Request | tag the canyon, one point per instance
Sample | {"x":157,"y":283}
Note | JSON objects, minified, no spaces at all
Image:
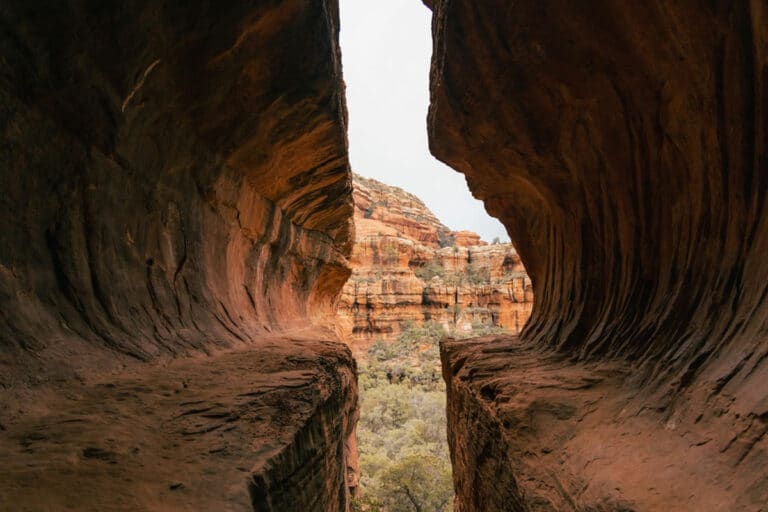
{"x":176,"y":228}
{"x":408,"y":268}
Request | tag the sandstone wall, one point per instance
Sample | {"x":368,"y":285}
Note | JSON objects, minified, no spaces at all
{"x":407,"y":267}
{"x":169,"y":186}
{"x":623,"y":146}
{"x":174,"y":182}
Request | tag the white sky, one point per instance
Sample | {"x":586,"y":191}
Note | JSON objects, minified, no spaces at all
{"x":386,"y":50}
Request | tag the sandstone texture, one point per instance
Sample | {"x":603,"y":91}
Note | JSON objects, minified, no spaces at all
{"x":407,"y":267}
{"x":623,"y":146}
{"x":257,"y":430}
{"x":175,"y":185}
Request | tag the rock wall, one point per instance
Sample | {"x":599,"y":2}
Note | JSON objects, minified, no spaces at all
{"x":269,"y":429}
{"x":168,"y":186}
{"x":408,"y":267}
{"x":175,"y":182}
{"x":623,"y":146}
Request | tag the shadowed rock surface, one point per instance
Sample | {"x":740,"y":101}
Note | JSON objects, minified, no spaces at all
{"x":175,"y":183}
{"x":263,"y":429}
{"x":623,"y":146}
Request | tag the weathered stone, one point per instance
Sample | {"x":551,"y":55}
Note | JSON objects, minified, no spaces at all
{"x":174,"y":183}
{"x":264,"y":430}
{"x":623,"y":146}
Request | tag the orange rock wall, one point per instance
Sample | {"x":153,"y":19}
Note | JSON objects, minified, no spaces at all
{"x":174,"y":182}
{"x":162,"y":191}
{"x":623,"y":146}
{"x":397,"y":238}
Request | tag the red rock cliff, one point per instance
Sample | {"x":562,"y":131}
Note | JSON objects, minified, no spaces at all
{"x":409,"y":267}
{"x":623,"y":145}
{"x":175,"y":182}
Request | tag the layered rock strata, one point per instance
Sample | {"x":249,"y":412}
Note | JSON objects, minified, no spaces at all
{"x":407,"y":267}
{"x":623,"y":146}
{"x":175,"y":183}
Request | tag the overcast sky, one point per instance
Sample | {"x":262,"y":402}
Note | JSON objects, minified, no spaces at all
{"x":386,"y":49}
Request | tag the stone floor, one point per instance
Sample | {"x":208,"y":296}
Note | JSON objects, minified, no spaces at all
{"x":190,"y":435}
{"x":531,"y":431}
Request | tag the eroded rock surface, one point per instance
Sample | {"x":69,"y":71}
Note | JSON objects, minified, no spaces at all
{"x":175,"y":183}
{"x":623,"y":146}
{"x":258,"y":430}
{"x":169,"y":187}
{"x":407,"y":267}
{"x":534,"y":431}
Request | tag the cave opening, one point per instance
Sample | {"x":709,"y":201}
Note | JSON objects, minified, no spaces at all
{"x":427,"y":263}
{"x":176,"y":227}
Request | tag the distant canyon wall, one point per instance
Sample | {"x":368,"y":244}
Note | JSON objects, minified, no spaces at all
{"x":407,"y":267}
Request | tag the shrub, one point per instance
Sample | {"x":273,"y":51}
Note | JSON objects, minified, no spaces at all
{"x":402,"y":434}
{"x":402,"y":428}
{"x":391,"y":255}
{"x":429,"y":271}
{"x":445,"y":239}
{"x":478,"y":275}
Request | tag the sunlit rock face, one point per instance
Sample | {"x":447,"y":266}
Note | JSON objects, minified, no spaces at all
{"x":175,"y":182}
{"x":623,"y":146}
{"x":408,"y":268}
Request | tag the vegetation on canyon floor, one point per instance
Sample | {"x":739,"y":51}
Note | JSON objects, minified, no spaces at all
{"x":404,"y":458}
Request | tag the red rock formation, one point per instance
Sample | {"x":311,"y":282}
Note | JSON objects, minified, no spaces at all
{"x":383,"y":209}
{"x":622,"y":144}
{"x":175,"y":182}
{"x":467,"y":239}
{"x":402,"y":274}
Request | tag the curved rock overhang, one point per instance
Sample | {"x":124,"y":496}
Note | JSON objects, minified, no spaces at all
{"x":174,"y":182}
{"x":624,"y":147}
{"x":174,"y":175}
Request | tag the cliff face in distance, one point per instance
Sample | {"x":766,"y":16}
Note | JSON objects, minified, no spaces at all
{"x":409,"y":267}
{"x":623,"y":146}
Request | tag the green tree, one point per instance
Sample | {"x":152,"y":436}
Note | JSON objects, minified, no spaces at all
{"x":404,"y":457}
{"x":418,"y":483}
{"x":391,"y":254}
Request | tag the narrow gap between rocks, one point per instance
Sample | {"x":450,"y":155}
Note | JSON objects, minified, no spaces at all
{"x":428,"y":263}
